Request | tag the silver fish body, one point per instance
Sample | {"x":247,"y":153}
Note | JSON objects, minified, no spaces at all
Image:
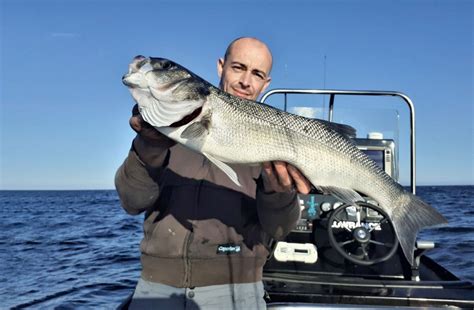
{"x":228,"y":129}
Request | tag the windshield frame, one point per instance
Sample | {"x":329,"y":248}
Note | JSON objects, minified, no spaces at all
{"x":332,"y":95}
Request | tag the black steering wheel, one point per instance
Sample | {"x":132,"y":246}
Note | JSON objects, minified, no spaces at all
{"x":363,"y":234}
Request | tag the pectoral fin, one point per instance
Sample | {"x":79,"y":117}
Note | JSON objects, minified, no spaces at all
{"x":198,"y":129}
{"x":194,"y":131}
{"x":225,"y":168}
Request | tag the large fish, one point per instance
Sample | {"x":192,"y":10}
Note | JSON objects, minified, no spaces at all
{"x":229,"y":129}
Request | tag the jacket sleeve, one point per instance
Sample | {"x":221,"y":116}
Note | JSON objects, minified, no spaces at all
{"x":278,"y":212}
{"x":136,"y":181}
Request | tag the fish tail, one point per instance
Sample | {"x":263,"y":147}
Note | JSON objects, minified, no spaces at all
{"x":411,"y":215}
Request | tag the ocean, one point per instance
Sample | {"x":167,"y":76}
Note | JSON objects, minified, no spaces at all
{"x":79,"y":249}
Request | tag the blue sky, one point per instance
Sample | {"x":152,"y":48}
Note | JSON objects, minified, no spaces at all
{"x":64,"y":112}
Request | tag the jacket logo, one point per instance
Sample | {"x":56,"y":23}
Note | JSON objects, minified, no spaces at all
{"x":228,"y":249}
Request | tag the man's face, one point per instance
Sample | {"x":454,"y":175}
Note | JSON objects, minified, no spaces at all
{"x":245,"y":72}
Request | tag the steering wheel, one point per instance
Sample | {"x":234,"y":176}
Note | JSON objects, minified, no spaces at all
{"x":363,"y":234}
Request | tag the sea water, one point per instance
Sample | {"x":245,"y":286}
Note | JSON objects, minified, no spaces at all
{"x":79,"y":249}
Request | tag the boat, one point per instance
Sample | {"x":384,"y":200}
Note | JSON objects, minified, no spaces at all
{"x":348,"y":257}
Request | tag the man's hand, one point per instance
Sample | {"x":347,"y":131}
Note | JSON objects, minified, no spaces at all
{"x":282,"y":177}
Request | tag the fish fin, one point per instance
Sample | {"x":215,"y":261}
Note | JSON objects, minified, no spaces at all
{"x":346,"y":195}
{"x":343,"y":129}
{"x":409,"y":216}
{"x":225,"y":168}
{"x":194,"y":131}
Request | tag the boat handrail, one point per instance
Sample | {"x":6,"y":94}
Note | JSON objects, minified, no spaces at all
{"x":332,"y":94}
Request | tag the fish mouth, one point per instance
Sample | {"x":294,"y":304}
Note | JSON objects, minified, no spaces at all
{"x":135,"y":80}
{"x":139,"y":67}
{"x":172,"y":77}
{"x":127,"y":81}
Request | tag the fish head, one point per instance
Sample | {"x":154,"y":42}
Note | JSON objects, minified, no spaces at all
{"x":166,"y":92}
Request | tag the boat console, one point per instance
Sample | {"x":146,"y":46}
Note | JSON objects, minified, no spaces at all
{"x":361,"y":234}
{"x":349,"y":256}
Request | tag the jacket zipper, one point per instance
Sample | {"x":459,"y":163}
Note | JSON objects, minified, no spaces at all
{"x":187,"y":261}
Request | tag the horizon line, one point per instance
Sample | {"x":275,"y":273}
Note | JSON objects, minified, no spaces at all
{"x":113,"y":189}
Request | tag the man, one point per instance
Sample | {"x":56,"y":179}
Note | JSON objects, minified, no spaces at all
{"x":206,"y":239}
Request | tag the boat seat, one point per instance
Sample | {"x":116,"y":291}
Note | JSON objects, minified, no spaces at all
{"x":421,"y":247}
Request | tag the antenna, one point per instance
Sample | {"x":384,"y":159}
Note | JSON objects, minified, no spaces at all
{"x":324,"y":85}
{"x":285,"y":103}
{"x":324,"y":73}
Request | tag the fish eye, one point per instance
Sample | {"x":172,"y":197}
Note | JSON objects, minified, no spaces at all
{"x":162,"y":64}
{"x":166,"y":65}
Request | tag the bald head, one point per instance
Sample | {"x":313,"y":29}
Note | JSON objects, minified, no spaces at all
{"x":245,"y":68}
{"x":253,"y":43}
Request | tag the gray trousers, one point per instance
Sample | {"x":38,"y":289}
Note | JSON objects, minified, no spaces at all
{"x":245,"y":296}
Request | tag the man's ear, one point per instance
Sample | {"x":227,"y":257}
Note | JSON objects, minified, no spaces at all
{"x":220,"y":67}
{"x":267,"y":83}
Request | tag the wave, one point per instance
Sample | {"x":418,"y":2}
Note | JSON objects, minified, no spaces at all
{"x":87,"y":287}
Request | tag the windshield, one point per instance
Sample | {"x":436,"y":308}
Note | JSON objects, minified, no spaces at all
{"x":373,"y":117}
